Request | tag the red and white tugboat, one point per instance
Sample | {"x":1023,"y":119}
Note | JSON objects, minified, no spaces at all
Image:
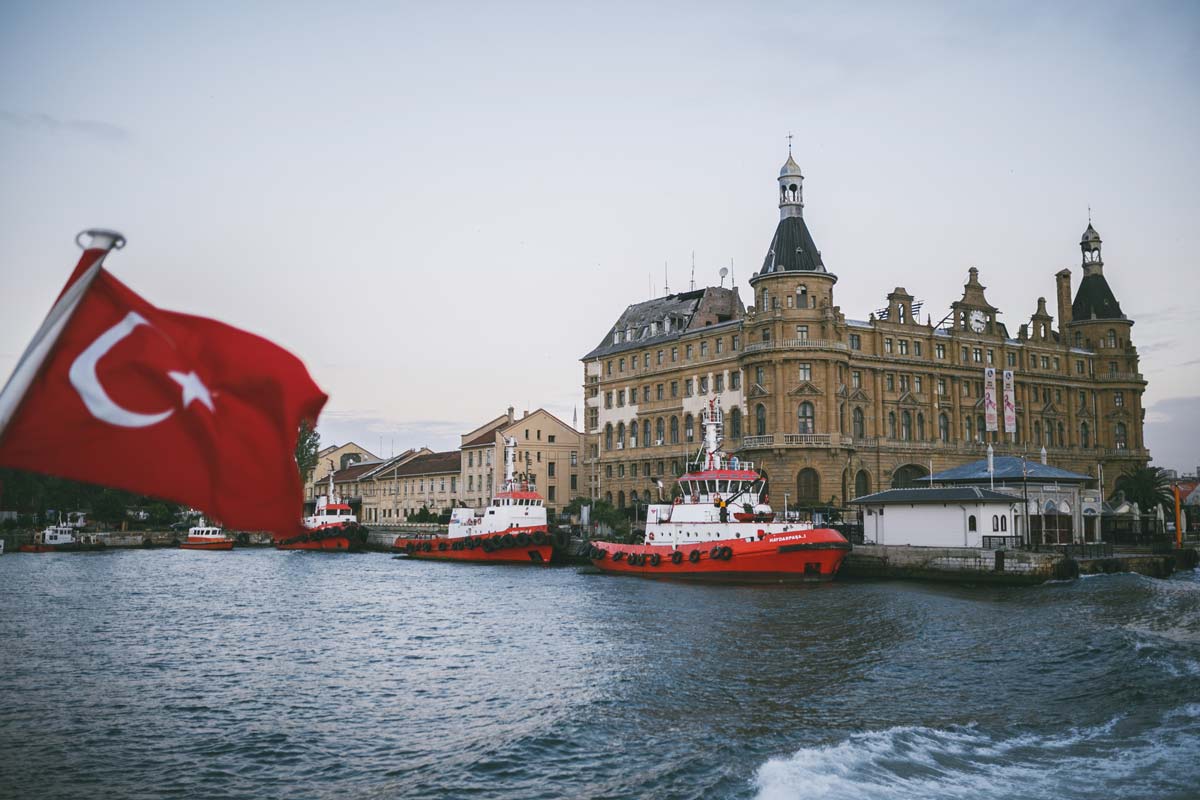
{"x":206,"y":537}
{"x":510,"y":530}
{"x":62,"y":539}
{"x":332,"y":526}
{"x":722,"y":529}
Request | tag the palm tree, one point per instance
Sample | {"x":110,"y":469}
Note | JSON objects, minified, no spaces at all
{"x":1148,"y":487}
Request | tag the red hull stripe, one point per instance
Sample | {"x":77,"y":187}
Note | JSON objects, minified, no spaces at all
{"x":206,"y":546}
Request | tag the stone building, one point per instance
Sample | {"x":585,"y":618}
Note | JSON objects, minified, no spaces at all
{"x":832,"y":408}
{"x":548,"y":449}
{"x":333,"y":457}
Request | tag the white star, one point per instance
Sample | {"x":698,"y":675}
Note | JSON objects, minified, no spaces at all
{"x":193,"y":388}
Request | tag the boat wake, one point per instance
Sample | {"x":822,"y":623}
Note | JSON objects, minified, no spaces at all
{"x":965,"y":762}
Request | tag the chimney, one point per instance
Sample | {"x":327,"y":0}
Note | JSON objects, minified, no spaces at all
{"x":511,"y":418}
{"x":1063,"y":282}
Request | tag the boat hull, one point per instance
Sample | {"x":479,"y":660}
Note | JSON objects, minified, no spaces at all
{"x":76,"y":547}
{"x":809,"y":556}
{"x":516,"y":546}
{"x":349,"y":538}
{"x":225,"y":545}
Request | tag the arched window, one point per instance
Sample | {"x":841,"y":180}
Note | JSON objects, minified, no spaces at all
{"x":735,"y":423}
{"x":633,"y":434}
{"x":808,"y":486}
{"x":633,"y":498}
{"x":971,"y":523}
{"x":1111,"y":339}
{"x":801,"y":296}
{"x":1037,"y":432}
{"x":608,"y":498}
{"x":1120,"y":440}
{"x":760,"y":420}
{"x":646,"y":440}
{"x":621,"y":500}
{"x":906,"y":426}
{"x":860,"y":426}
{"x":943,"y":427}
{"x":689,"y":428}
{"x":995,"y":523}
{"x":981,"y":428}
{"x":969,"y":426}
{"x":674,"y":430}
{"x":807,"y":418}
{"x":862,"y":483}
{"x":620,"y":434}
{"x":841,"y":418}
{"x":1004,"y":523}
{"x":608,"y":436}
{"x":891,"y":424}
{"x":1049,"y":434}
{"x":902,"y":313}
{"x":1062,"y":439}
{"x":659,"y":432}
{"x":920,"y":427}
{"x":1085,"y":438}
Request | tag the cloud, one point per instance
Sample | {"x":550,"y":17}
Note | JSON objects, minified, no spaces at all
{"x":90,"y":128}
{"x":1173,"y":433}
{"x":383,"y":436}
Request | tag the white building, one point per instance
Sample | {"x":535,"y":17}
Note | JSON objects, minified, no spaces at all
{"x":952,"y":517}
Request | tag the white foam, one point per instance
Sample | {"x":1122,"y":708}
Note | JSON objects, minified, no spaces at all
{"x":911,"y":763}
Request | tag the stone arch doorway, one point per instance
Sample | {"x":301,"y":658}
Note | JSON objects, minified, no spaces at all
{"x":906,"y":477}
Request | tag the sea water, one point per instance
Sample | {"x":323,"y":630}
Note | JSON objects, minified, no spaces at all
{"x":261,"y":674}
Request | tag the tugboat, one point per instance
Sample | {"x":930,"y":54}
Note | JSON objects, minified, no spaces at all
{"x":206,"y":537}
{"x":695,"y":539}
{"x":61,"y":539}
{"x":332,"y":526}
{"x":510,"y":530}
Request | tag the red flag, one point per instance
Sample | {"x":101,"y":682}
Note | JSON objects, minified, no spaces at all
{"x":115,"y":391}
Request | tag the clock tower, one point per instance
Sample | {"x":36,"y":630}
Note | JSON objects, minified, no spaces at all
{"x":973,"y":313}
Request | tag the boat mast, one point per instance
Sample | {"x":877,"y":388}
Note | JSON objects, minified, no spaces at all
{"x":711,"y":419}
{"x":510,"y":458}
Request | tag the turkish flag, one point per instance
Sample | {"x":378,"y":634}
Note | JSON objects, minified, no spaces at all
{"x":117,"y":392}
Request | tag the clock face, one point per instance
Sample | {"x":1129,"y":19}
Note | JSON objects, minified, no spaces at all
{"x":978,"y":321}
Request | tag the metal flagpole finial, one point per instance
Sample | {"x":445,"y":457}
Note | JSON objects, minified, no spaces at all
{"x":101,"y":239}
{"x":789,"y":138}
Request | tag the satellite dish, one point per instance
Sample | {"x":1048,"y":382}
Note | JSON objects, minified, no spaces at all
{"x":723,"y":272}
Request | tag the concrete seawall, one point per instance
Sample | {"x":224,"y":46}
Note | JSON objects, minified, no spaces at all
{"x":1008,"y":567}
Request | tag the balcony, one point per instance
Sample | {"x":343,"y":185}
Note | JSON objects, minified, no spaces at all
{"x":796,"y":344}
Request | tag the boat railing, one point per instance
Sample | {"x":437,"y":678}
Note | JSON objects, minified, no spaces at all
{"x":731,"y":462}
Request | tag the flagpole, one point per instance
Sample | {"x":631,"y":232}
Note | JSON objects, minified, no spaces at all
{"x":52,"y":327}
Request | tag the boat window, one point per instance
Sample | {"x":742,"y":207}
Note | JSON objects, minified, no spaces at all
{"x":712,"y":487}
{"x":723,"y":487}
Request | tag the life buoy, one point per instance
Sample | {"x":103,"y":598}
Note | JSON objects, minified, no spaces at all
{"x":677,"y":557}
{"x":650,"y":536}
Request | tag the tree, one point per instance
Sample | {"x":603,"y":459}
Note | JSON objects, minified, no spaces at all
{"x":1148,"y":487}
{"x":307,"y":446}
{"x":109,"y":507}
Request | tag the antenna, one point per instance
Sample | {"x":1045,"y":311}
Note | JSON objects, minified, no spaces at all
{"x":1089,"y":213}
{"x":693,"y":287}
{"x":732,"y":279}
{"x":789,"y":138}
{"x":666,"y":285}
{"x":723,"y":272}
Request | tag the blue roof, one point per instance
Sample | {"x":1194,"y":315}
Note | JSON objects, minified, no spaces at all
{"x":1007,"y":468}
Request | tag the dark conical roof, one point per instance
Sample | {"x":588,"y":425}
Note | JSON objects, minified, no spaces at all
{"x":1095,"y":300}
{"x":792,"y":249}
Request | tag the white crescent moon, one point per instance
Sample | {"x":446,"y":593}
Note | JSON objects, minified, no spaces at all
{"x":87,"y":383}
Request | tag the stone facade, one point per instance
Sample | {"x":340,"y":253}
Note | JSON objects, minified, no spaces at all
{"x":548,"y":449}
{"x":832,"y":408}
{"x":335,"y":457}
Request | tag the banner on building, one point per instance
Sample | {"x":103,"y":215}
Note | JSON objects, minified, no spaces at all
{"x":1010,"y":405}
{"x":991,"y":416}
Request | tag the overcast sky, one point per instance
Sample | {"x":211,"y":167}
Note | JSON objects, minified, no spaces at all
{"x":441,"y":207}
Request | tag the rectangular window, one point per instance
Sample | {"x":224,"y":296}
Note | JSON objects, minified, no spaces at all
{"x":1058,"y":395}
{"x":704,"y":385}
{"x":766,"y":335}
{"x":688,"y":352}
{"x":658,"y":392}
{"x":620,"y":404}
{"x":687,"y":387}
{"x":1045,"y":362}
{"x":719,"y":382}
{"x":1082,"y":399}
{"x":760,"y":376}
{"x":1057,"y":364}
{"x":904,"y":347}
{"x":608,"y":367}
{"x":720,"y":341}
{"x":704,"y":348}
{"x":550,"y":469}
{"x":977,"y":355}
{"x":608,"y":399}
{"x":574,"y":482}
{"x":890,"y":382}
{"x":1118,"y":399}
{"x":674,"y":388}
{"x":941,"y":386}
{"x":802,"y":332}
{"x":1012,"y":359}
{"x":887,"y":345}
{"x":737,"y":343}
{"x":735,"y":380}
{"x":917,"y":384}
{"x":904,"y":383}
{"x":940,"y":350}
{"x":646,"y":360}
{"x":620,"y":365}
{"x":646,"y":393}
{"x":856,"y":379}
{"x":991,"y":356}
{"x":966,"y":354}
{"x":1078,"y":367}
{"x":658,"y":357}
{"x":574,"y":458}
{"x":806,"y":372}
{"x":550,"y":494}
{"x":855,"y":342}
{"x":917,"y":348}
